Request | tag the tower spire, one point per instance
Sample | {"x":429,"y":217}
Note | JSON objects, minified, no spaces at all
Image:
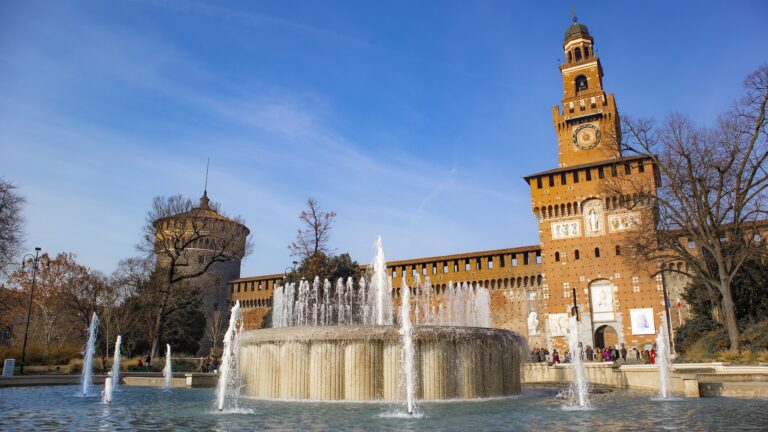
{"x":573,"y":12}
{"x":204,"y":199}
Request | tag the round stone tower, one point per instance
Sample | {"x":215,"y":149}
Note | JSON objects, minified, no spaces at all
{"x":210,"y":249}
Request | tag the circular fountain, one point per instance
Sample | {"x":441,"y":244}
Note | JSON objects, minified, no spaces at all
{"x":340,"y":343}
{"x":364,"y":362}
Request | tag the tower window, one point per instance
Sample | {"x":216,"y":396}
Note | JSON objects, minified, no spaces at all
{"x":597,"y":252}
{"x":581,"y":83}
{"x":557,"y":256}
{"x":618,"y":250}
{"x":576,"y":254}
{"x":577,"y":53}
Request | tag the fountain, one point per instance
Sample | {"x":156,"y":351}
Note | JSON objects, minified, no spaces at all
{"x":90,"y":349}
{"x":106,"y":395}
{"x":356,"y":353}
{"x":228,"y":361}
{"x":406,"y":331}
{"x":116,"y":364}
{"x":579,"y":392}
{"x":663,"y":362}
{"x":168,"y":370}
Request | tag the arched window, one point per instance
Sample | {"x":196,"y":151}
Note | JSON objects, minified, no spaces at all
{"x":576,"y":254}
{"x":618,"y":250}
{"x":577,"y":53}
{"x":597,"y":252}
{"x":557,"y":256}
{"x":570,"y":57}
{"x":581,"y":83}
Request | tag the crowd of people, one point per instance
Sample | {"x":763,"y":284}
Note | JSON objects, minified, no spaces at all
{"x":599,"y":354}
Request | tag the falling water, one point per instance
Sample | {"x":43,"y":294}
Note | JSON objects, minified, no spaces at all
{"x":663,"y":362}
{"x":116,"y":364}
{"x":168,"y":370}
{"x":381,"y":288}
{"x":406,"y":330}
{"x":579,"y":387}
{"x":106,"y":395}
{"x":90,"y":349}
{"x":462,"y":304}
{"x":225,"y":371}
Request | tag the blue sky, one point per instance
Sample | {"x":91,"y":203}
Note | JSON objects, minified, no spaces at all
{"x":413,"y":120}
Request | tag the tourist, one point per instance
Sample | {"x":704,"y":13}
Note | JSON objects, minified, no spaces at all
{"x":103,"y":363}
{"x":148,"y":360}
{"x":653,"y":355}
{"x":555,"y":357}
{"x":607,"y":355}
{"x":215,"y":365}
{"x":590,"y":353}
{"x":615,"y":353}
{"x":140,"y":363}
{"x":637,"y":353}
{"x":623,"y":353}
{"x":567,"y":358}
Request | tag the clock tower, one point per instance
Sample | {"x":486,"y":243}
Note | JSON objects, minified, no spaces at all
{"x":587,"y":123}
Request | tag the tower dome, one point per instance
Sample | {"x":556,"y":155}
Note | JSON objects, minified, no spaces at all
{"x":577,"y":30}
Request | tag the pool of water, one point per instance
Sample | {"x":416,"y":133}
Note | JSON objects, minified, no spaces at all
{"x":142,"y":408}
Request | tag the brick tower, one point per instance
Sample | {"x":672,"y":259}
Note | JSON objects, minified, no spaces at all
{"x":582,"y":226}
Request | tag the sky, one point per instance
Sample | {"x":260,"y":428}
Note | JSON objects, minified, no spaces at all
{"x":415,"y":121}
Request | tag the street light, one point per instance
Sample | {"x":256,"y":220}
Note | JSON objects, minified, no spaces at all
{"x":29,"y":307}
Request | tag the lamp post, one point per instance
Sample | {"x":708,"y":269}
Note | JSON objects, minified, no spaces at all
{"x":29,"y":307}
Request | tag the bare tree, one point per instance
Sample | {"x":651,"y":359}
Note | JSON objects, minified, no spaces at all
{"x":214,"y":328}
{"x":11,"y":224}
{"x":711,"y":200}
{"x":186,"y":242}
{"x":312,"y":239}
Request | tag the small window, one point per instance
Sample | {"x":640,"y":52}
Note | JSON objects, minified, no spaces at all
{"x":394,"y":274}
{"x":434,"y":268}
{"x":424,"y":270}
{"x":613,"y":170}
{"x":576,"y":254}
{"x":455,"y":266}
{"x":588,"y":174}
{"x":618,"y":250}
{"x":490,"y":262}
{"x":563,"y":179}
{"x":445,"y":267}
{"x":640,"y":166}
{"x":525,"y":258}
{"x":403,"y":272}
{"x":557,"y":256}
{"x":514,"y":260}
{"x":575,"y":176}
{"x":467,"y":266}
{"x":600,"y":173}
{"x":501,"y":261}
{"x":538,"y":183}
{"x":538,"y":257}
{"x":577,"y":54}
{"x":627,"y":169}
{"x":413,"y":271}
{"x":597,"y":252}
{"x":551,"y":180}
{"x":478,"y":264}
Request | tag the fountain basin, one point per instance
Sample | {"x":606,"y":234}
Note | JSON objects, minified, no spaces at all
{"x":363,"y":363}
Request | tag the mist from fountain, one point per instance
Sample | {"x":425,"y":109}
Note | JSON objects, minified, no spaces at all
{"x":90,"y":349}
{"x":408,"y":361}
{"x":116,"y":364}
{"x":229,"y":357}
{"x":579,"y":391}
{"x":663,"y":362}
{"x":168,"y":370}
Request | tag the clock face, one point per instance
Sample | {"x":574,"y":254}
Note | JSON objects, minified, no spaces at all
{"x":586,"y":137}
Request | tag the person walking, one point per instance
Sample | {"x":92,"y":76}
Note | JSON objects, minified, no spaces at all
{"x":555,"y":357}
{"x":624,"y":353}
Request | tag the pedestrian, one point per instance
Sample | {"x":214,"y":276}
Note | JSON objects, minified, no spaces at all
{"x":140,"y":363}
{"x":555,"y":357}
{"x":148,"y":360}
{"x":624,"y":353}
{"x":590,"y":353}
{"x":103,"y":363}
{"x":653,"y":355}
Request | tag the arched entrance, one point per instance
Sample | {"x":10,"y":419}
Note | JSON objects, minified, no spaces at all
{"x":606,"y":336}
